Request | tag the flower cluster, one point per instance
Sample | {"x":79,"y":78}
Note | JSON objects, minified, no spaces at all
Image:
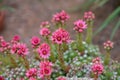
{"x":89,"y":16}
{"x":80,"y":26}
{"x":32,"y":72}
{"x":35,"y":41}
{"x":44,"y":31}
{"x":96,"y":60}
{"x":108,"y":45}
{"x":97,"y":66}
{"x":20,"y":49}
{"x":44,"y":24}
{"x":60,"y":36}
{"x":60,"y":17}
{"x":45,"y":69}
{"x":4,"y":46}
{"x":44,"y":50}
{"x":15,"y":39}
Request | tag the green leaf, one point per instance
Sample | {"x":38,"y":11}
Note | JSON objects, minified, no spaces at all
{"x":115,"y":29}
{"x":110,"y":18}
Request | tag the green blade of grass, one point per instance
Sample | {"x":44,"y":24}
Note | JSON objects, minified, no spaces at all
{"x":87,"y":4}
{"x":115,"y":29}
{"x":83,"y":6}
{"x":102,"y":2}
{"x":110,"y":18}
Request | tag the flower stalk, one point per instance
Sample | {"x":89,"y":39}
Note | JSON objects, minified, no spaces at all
{"x":26,"y":62}
{"x":79,"y":43}
{"x":96,"y":77}
{"x":89,"y":32}
{"x":61,"y":58}
{"x":12,"y":60}
{"x":107,"y":58}
{"x":108,"y":45}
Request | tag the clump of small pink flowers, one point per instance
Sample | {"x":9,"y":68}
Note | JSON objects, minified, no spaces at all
{"x":45,"y":69}
{"x":80,"y":26}
{"x":60,"y":17}
{"x":61,"y":78}
{"x":108,"y":45}
{"x":96,"y":60}
{"x":97,"y":67}
{"x":89,"y":16}
{"x":60,"y":36}
{"x":44,"y":50}
{"x":44,"y":24}
{"x":44,"y":31}
{"x":35,"y":41}
{"x":20,"y":49}
{"x":15,"y":39}
{"x":4,"y":46}
{"x":32,"y":72}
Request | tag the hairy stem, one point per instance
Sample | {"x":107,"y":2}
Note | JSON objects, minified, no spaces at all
{"x":79,"y":43}
{"x":89,"y":32}
{"x":61,"y":59}
{"x":12,"y":60}
{"x":107,"y":58}
{"x":26,"y":63}
{"x":96,"y":77}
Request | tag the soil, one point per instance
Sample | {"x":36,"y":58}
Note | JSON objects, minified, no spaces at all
{"x":27,"y":15}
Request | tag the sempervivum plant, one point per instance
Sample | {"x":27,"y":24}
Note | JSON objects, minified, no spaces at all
{"x":58,"y":57}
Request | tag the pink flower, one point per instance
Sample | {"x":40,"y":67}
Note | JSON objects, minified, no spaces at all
{"x":108,"y":45}
{"x":14,"y":48}
{"x":97,"y":68}
{"x":4,"y":46}
{"x":89,"y":15}
{"x":61,"y":78}
{"x":80,"y":25}
{"x":60,"y":36}
{"x":60,"y":17}
{"x":44,"y":50}
{"x":31,"y":73}
{"x":44,"y":32}
{"x":1,"y":78}
{"x":96,"y":60}
{"x":45,"y":69}
{"x":44,"y":24}
{"x":20,"y":49}
{"x":45,"y":64}
{"x":35,"y":41}
{"x":41,"y":73}
{"x":16,"y":38}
